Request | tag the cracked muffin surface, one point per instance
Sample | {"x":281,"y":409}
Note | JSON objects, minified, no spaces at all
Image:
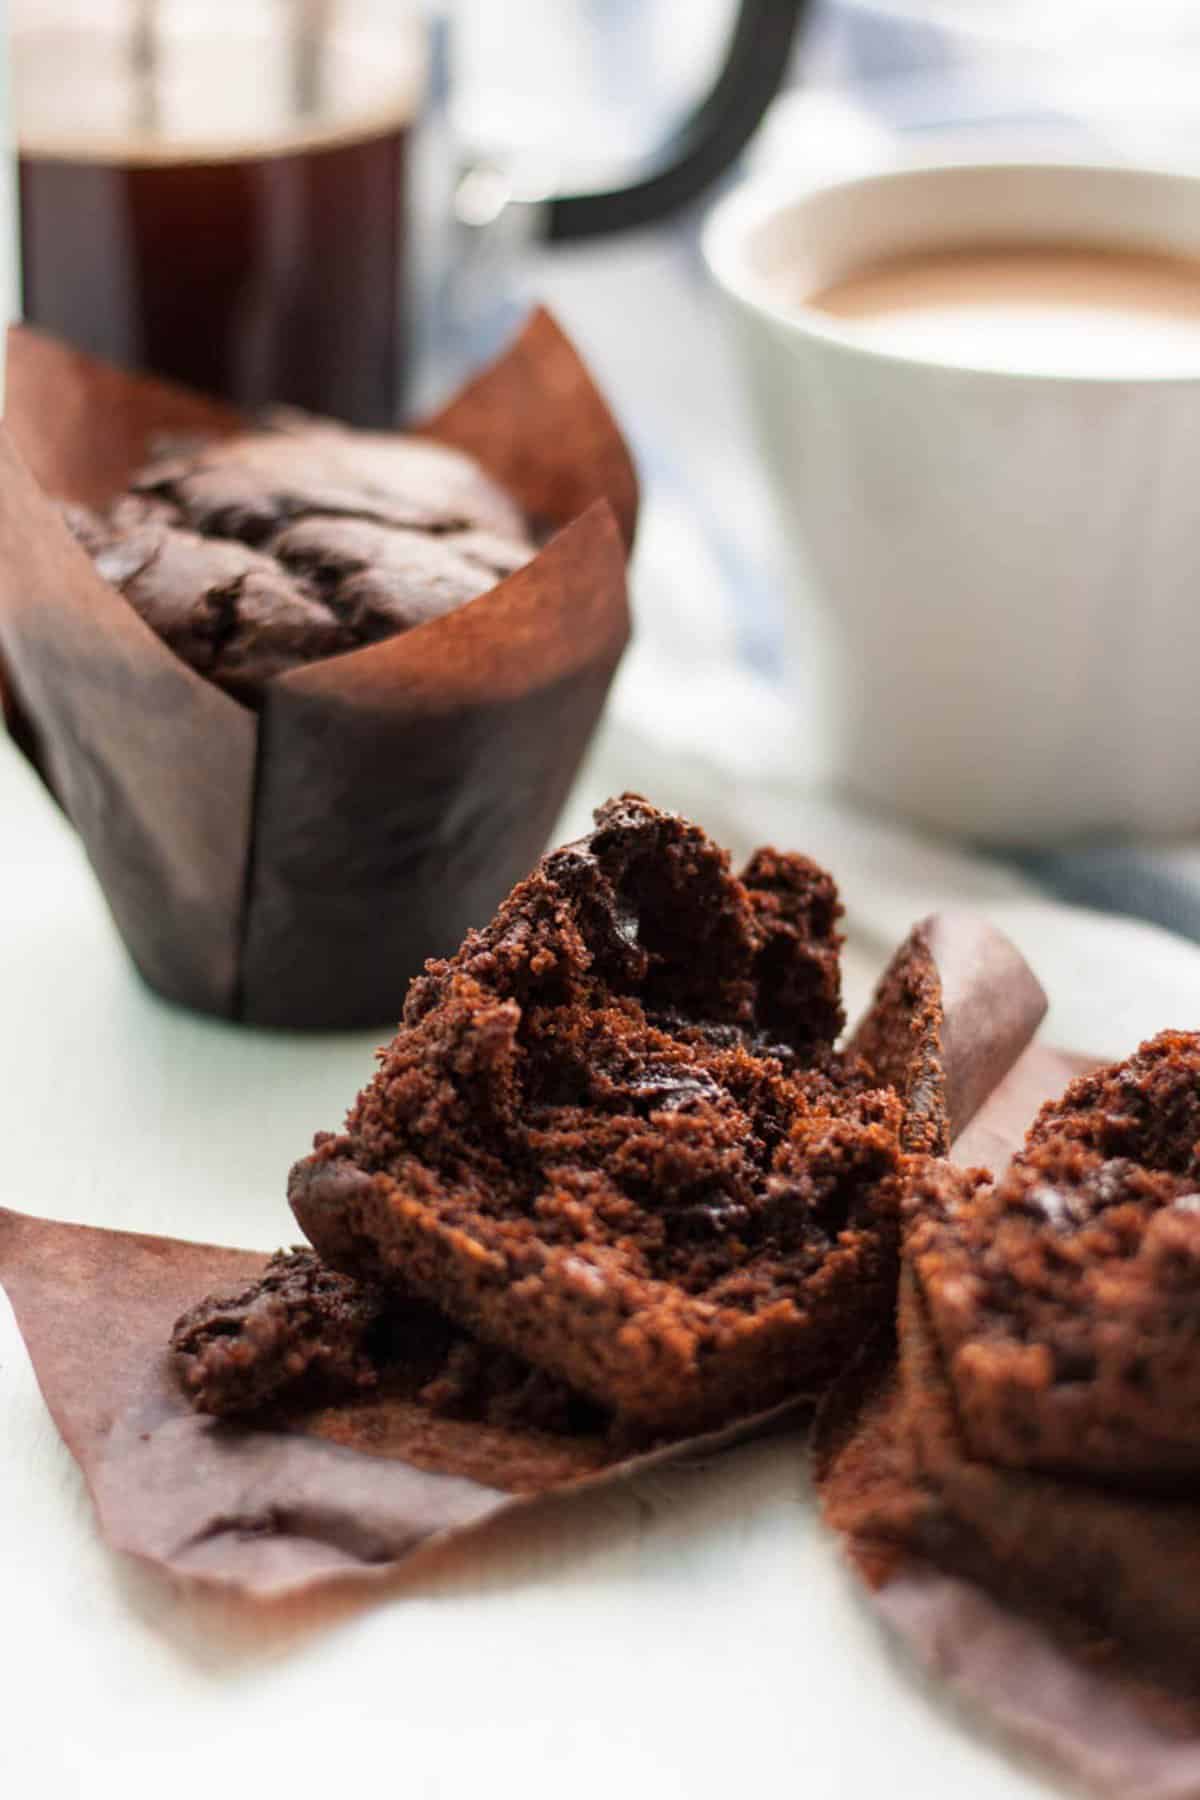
{"x":613,"y":1135}
{"x":256,"y":554}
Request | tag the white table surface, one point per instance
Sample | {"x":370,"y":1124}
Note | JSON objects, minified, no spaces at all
{"x":695,"y":1635}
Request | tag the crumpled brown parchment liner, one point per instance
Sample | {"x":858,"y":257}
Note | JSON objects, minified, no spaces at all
{"x":1103,"y":1720}
{"x":297,"y":867}
{"x":263,"y":1513}
{"x":352,"y":1492}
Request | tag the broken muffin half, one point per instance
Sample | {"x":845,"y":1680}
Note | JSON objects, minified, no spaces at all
{"x":612,"y":1135}
{"x":1063,"y":1297}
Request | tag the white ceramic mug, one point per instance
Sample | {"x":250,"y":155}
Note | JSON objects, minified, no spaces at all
{"x":1006,"y":566}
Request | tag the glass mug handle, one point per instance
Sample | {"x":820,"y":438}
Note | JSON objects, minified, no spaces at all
{"x":708,"y":141}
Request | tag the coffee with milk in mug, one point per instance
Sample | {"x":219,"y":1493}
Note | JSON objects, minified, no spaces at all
{"x":1055,"y":307}
{"x":977,"y":385}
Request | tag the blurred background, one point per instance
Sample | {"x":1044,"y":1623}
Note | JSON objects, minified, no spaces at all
{"x":715,"y":697}
{"x":509,"y":103}
{"x":580,"y":94}
{"x":505,"y":107}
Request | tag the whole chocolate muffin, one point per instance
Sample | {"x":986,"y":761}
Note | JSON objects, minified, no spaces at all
{"x":254,"y":554}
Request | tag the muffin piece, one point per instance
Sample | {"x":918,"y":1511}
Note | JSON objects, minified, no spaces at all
{"x":299,"y":1323}
{"x":612,"y":1135}
{"x":1112,"y":1574}
{"x":1146,"y":1110}
{"x":1065,"y":1298}
{"x":303,"y":1335}
{"x":259,"y":553}
{"x":952,"y":1015}
{"x":901,"y":1039}
{"x":1038,"y":1432}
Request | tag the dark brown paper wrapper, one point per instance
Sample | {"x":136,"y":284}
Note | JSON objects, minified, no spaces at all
{"x":296,"y":868}
{"x":347,"y":1493}
{"x":1112,"y":1713}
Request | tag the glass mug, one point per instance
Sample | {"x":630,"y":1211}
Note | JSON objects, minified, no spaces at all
{"x":218,"y":190}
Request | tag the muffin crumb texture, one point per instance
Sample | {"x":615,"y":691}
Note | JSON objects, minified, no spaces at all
{"x":303,"y":1335}
{"x":1064,"y":1296}
{"x":613,"y":1136}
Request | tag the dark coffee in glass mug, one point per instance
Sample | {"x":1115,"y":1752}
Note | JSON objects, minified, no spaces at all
{"x":219,"y":194}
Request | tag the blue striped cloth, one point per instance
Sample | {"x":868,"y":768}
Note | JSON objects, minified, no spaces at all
{"x":1144,"y":882}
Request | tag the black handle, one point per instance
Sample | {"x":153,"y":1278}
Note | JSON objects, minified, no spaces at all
{"x":708,"y":141}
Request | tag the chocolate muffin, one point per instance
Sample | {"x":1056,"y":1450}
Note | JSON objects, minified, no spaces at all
{"x":1065,"y":1298}
{"x":613,"y":1137}
{"x":1038,"y":1432}
{"x":1110,"y":1572}
{"x":254,"y":554}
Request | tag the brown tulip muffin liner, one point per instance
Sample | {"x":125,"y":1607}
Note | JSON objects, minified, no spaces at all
{"x":1118,"y":1716}
{"x":297,"y":866}
{"x":352,"y":1492}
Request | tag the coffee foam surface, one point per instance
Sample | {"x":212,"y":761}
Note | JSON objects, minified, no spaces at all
{"x":1068,"y":309}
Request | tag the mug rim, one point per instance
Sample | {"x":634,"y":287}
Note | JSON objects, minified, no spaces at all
{"x":761,"y":199}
